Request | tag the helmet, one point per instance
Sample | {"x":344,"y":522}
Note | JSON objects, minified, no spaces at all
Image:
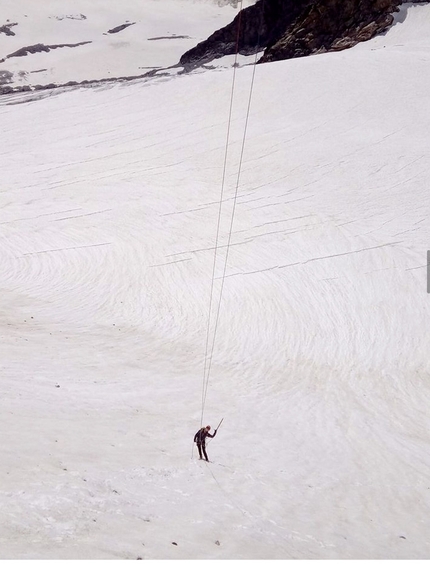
{"x":208,"y":427}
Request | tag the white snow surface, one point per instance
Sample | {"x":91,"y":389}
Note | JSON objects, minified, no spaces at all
{"x":108,"y":212}
{"x":161,"y":31}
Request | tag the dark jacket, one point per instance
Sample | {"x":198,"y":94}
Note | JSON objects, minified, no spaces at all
{"x":200,"y":436}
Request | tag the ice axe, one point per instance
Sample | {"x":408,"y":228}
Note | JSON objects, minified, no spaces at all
{"x":219,"y":425}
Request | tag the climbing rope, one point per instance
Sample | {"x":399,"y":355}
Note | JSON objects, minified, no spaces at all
{"x":206,"y":372}
{"x":208,"y":358}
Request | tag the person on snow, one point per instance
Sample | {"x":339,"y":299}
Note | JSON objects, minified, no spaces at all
{"x":200,"y":439}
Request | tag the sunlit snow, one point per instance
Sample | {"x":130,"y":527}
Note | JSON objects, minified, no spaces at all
{"x":108,"y":213}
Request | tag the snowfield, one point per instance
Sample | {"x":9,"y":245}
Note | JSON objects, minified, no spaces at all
{"x":109,"y":208}
{"x":87,"y":43}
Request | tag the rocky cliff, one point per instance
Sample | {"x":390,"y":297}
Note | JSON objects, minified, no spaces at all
{"x":293,"y":28}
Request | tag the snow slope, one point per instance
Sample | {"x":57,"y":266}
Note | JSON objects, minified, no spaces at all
{"x":321,"y":359}
{"x":160,"y":33}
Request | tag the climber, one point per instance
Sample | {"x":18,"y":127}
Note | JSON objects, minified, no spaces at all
{"x":200,"y":439}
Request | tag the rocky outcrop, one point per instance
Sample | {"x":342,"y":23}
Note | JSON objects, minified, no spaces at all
{"x":10,"y":89}
{"x":71,"y":17}
{"x":294,"y":28}
{"x":121,"y":27}
{"x":41,"y":48}
{"x":331,"y":25}
{"x":5,"y":77}
{"x":6,"y":29}
{"x":252,"y":29}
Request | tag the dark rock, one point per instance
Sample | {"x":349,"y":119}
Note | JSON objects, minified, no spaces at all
{"x":252,"y":29}
{"x":72,"y":17}
{"x":43,"y":86}
{"x":31,"y":49}
{"x":6,"y":29}
{"x":169,"y":37}
{"x":120,"y":27}
{"x":332,"y":25}
{"x":293,"y":28}
{"x":5,"y":77}
{"x":41,"y":48}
